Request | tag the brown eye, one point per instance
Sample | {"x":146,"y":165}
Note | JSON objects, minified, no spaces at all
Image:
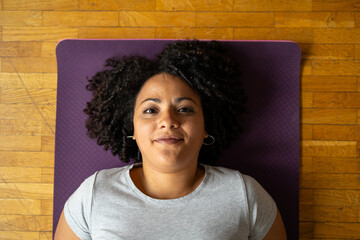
{"x":185,"y":110}
{"x":150,"y":111}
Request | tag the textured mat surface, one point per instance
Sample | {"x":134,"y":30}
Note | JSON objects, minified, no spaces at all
{"x":268,"y":149}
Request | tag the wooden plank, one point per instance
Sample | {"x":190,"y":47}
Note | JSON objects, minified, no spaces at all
{"x":306,"y":68}
{"x":328,"y":116}
{"x":20,"y":174}
{"x":329,"y":181}
{"x":306,"y":164}
{"x":39,"y":191}
{"x":116,"y":33}
{"x":232,"y":19}
{"x":335,"y":165}
{"x":174,"y":5}
{"x":336,"y":35}
{"x":306,"y":132}
{"x":48,"y":49}
{"x":37,"y":96}
{"x":20,"y":206}
{"x":328,"y":83}
{"x":46,"y":207}
{"x":81,"y":19}
{"x":48,"y":112}
{"x":45,"y":235}
{"x":25,"y":223}
{"x":20,"y":127}
{"x":324,"y":197}
{"x":358,"y":116}
{"x":299,"y":35}
{"x":327,"y":51}
{"x":314,"y":19}
{"x":20,"y":143}
{"x":274,"y":5}
{"x":214,"y":5}
{"x":16,"y":235}
{"x":328,"y":214}
{"x":194,"y":33}
{"x":48,"y":143}
{"x":306,"y":197}
{"x":336,"y":67}
{"x":128,"y":5}
{"x":337,"y":230}
{"x":38,"y":80}
{"x":306,"y":230}
{"x":20,"y":18}
{"x":27,"y":159}
{"x":29,"y":65}
{"x":47,"y":175}
{"x":357,"y":51}
{"x":158,"y":19}
{"x":343,"y":5}
{"x":40,"y":5}
{"x":36,"y":34}
{"x":306,"y":99}
{"x":337,"y":100}
{"x":48,"y":128}
{"x":19,"y":111}
{"x":328,"y":148}
{"x":20,"y":49}
{"x":192,"y":5}
{"x":336,"y":132}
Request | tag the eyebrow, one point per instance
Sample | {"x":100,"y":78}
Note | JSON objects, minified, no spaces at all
{"x":177,"y":100}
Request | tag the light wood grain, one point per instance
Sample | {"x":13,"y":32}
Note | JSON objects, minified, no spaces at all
{"x":114,"y":5}
{"x":191,"y":33}
{"x":300,"y":35}
{"x":328,"y":214}
{"x":116,"y":33}
{"x":159,"y":19}
{"x":230,"y":19}
{"x":314,"y":19}
{"x":274,"y":5}
{"x":81,"y":19}
{"x":21,"y":18}
{"x":16,"y":235}
{"x":327,"y":51}
{"x":25,"y":223}
{"x":40,"y":5}
{"x":49,"y":34}
{"x":328,"y":83}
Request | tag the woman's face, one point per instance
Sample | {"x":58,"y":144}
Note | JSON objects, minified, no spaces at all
{"x":168,"y":123}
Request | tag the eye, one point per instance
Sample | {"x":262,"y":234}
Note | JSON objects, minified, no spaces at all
{"x":150,"y":111}
{"x":185,"y":110}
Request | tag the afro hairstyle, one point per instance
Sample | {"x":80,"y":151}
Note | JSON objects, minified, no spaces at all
{"x":204,"y":65}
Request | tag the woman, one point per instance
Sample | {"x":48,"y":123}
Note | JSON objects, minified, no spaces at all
{"x":174,"y":116}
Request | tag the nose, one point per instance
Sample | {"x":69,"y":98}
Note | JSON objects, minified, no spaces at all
{"x":168,"y":120}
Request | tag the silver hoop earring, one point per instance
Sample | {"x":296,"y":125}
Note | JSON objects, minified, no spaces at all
{"x":129,"y":136}
{"x":212,"y":141}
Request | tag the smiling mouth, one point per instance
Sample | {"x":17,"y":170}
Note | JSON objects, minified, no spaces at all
{"x":169,"y":140}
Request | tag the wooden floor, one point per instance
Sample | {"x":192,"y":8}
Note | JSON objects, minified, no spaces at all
{"x":328,"y":32}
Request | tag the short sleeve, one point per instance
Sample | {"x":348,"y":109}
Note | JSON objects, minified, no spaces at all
{"x":77,"y":208}
{"x":262,"y":209}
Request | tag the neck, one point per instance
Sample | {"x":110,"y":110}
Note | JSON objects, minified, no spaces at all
{"x":167,"y":185}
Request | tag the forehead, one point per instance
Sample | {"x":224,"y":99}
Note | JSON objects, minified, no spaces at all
{"x":167,"y":85}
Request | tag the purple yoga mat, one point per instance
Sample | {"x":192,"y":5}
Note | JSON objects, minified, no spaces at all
{"x":268,"y":148}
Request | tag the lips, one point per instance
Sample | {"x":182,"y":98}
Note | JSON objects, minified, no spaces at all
{"x":168,"y":139}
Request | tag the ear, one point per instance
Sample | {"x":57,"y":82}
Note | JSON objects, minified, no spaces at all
{"x":206,"y":135}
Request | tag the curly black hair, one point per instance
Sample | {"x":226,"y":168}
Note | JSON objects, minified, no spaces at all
{"x":204,"y":65}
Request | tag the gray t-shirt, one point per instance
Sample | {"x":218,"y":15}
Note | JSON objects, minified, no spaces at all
{"x":226,"y":205}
